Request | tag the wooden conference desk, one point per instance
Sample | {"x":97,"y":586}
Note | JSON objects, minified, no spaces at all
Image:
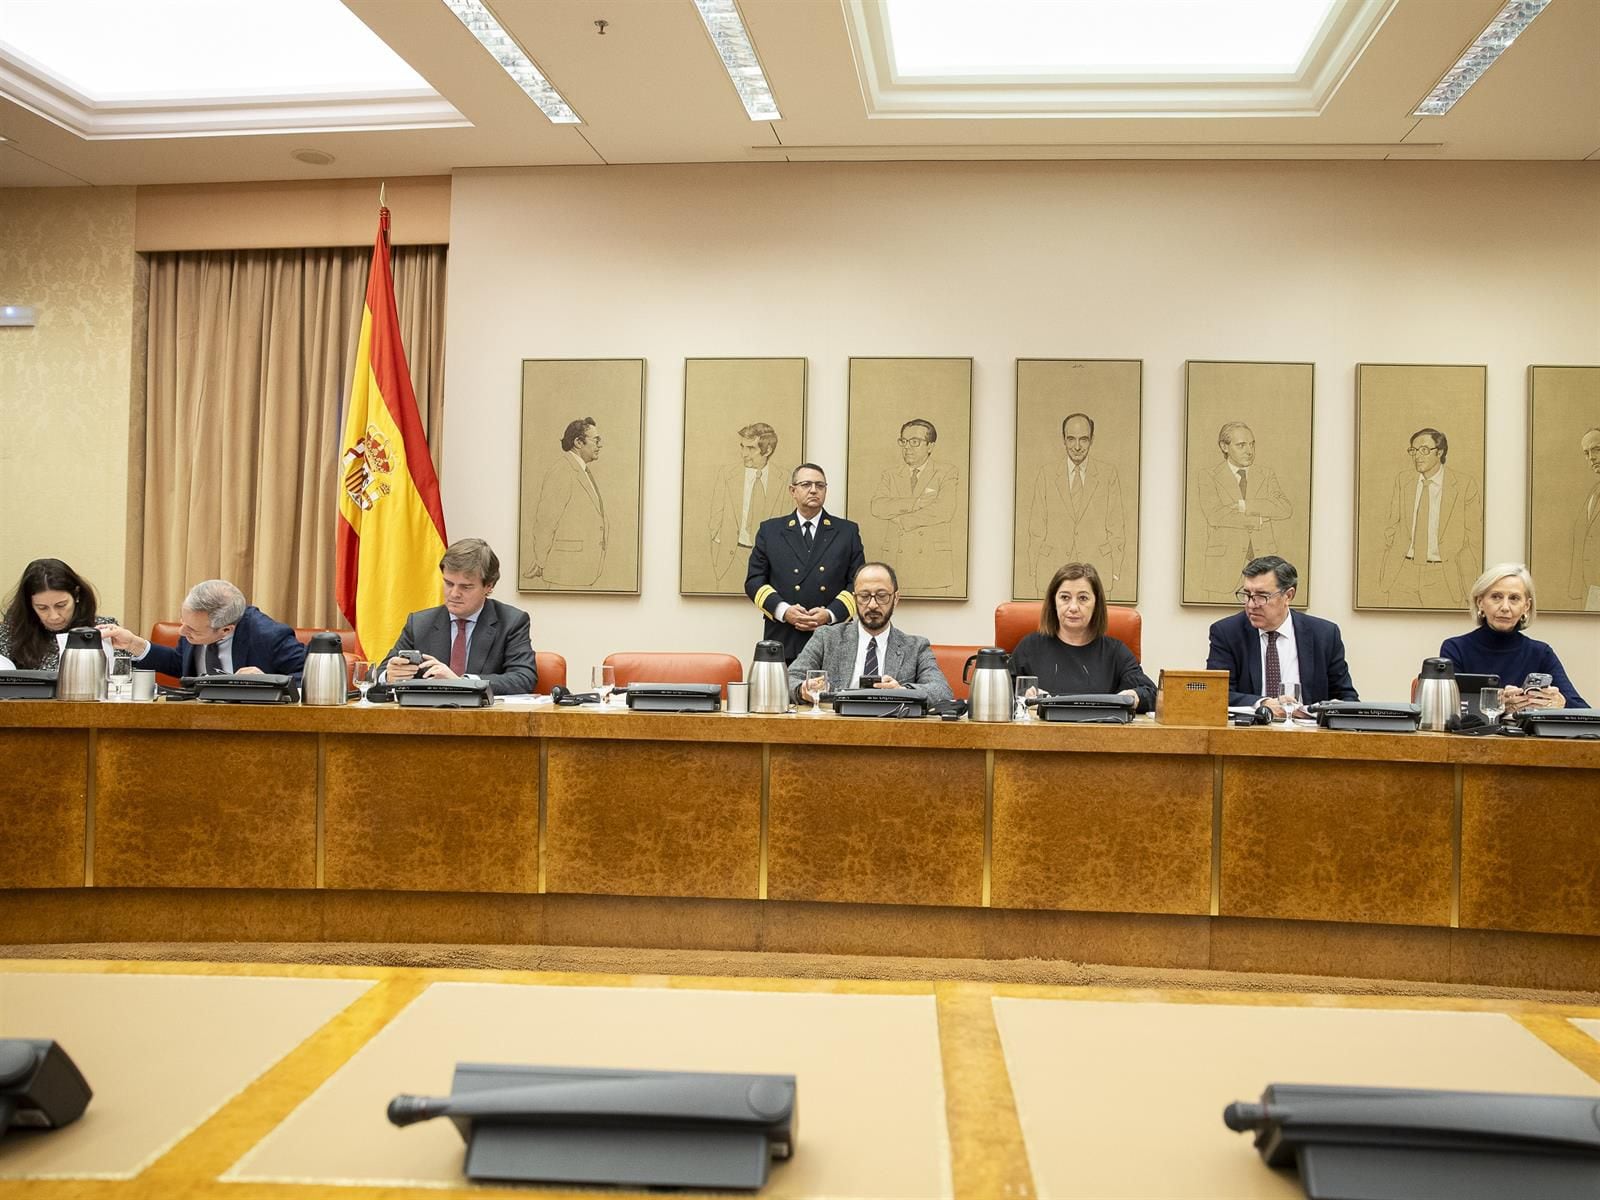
{"x":1409,"y":856}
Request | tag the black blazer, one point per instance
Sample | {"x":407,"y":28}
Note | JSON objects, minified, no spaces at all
{"x":500,"y":653}
{"x":258,"y":641}
{"x":1236,"y":649}
{"x":781,"y":570}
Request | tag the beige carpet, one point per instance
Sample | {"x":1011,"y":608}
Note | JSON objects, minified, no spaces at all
{"x":748,"y":964}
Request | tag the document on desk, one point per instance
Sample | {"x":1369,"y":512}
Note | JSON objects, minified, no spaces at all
{"x":525,"y":699}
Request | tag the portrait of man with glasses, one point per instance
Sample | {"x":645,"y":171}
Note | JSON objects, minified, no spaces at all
{"x":917,"y":502}
{"x":1270,"y":651}
{"x":802,"y":564}
{"x":1433,"y":543}
{"x":870,"y":651}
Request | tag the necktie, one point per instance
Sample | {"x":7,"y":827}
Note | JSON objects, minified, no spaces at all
{"x":458,"y":648}
{"x":1244,"y":484}
{"x":1075,"y":490}
{"x":870,"y":667}
{"x":758,"y":503}
{"x":1274,"y":667}
{"x":810,"y":540}
{"x":916,"y":475}
{"x":213,"y":660}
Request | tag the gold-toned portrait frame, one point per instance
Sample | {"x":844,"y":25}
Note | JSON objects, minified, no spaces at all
{"x":578,"y":528}
{"x":913,"y":516}
{"x":1564,"y":487}
{"x":1395,"y":404}
{"x":1101,"y":526}
{"x":721,"y":397}
{"x":1274,"y":403}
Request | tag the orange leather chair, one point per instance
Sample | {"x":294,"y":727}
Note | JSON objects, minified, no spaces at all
{"x":637,"y":666}
{"x":951,"y":659}
{"x":552,"y":669}
{"x":1016,"y":619}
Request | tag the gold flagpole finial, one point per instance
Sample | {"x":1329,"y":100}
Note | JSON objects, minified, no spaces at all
{"x":382,"y":188}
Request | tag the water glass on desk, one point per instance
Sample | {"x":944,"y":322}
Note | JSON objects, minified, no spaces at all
{"x":1491,"y":704}
{"x":119,"y":678}
{"x":1026,"y":685}
{"x":816,"y":684}
{"x":363,"y":674}
{"x":604,"y":681}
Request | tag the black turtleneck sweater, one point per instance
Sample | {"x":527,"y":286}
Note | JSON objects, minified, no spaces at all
{"x":1512,"y":656}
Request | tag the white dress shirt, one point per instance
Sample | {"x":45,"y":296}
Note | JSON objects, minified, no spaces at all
{"x":882,"y":638}
{"x":1435,"y":486}
{"x":746,"y":528}
{"x":1288,"y":658}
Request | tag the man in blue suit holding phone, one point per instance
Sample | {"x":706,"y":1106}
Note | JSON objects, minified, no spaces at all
{"x":1268,"y":648}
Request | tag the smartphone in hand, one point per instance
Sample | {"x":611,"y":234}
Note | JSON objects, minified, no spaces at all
{"x":1535,"y":679}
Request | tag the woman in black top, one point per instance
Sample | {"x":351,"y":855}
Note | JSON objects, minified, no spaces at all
{"x":1071,"y":654}
{"x":49,"y":599}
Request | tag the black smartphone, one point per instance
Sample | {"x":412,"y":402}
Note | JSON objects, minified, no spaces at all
{"x":414,"y":657}
{"x":871,"y":680}
{"x":1535,"y":679}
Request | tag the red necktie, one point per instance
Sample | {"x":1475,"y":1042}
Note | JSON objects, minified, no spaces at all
{"x":458,"y":648}
{"x":1274,"y":667}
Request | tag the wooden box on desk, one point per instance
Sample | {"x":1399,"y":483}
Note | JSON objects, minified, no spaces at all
{"x":1192,"y":698}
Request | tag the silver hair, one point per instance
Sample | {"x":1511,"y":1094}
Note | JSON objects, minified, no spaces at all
{"x":219,"y":599}
{"x":1488,"y":579}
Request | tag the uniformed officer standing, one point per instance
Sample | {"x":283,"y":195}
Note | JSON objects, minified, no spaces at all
{"x":802,"y":565}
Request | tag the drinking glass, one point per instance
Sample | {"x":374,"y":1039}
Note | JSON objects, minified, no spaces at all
{"x":816,"y":684}
{"x":1490,"y":704}
{"x":119,"y":678}
{"x":1292,"y":690}
{"x":604,"y":681}
{"x":363,"y":674}
{"x":1027,"y":685}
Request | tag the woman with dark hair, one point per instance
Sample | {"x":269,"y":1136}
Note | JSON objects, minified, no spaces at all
{"x":1502,"y":604}
{"x":1072,"y":653}
{"x":49,"y":599}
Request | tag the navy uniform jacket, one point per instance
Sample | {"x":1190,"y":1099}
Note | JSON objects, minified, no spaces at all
{"x":782,"y":572}
{"x":1236,"y":649}
{"x":258,"y":641}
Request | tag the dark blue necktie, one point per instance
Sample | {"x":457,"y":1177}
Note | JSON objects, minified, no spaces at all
{"x":870,"y":667}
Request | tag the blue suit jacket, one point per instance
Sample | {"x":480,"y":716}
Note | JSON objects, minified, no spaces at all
{"x":258,"y":641}
{"x":1236,"y":649}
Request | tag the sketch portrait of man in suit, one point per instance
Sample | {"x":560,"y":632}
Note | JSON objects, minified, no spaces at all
{"x":1585,"y":577}
{"x":917,"y":502}
{"x":1433,"y":543}
{"x":1076,"y":513}
{"x":1240,"y":501}
{"x":745,"y":495}
{"x":568,"y":534}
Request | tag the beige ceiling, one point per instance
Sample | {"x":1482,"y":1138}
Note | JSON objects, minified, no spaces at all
{"x":652,"y":90}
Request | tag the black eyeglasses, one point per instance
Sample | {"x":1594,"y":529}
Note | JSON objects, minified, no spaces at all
{"x":1256,"y":598}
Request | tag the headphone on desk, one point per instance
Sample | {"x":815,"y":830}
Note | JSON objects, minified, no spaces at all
{"x":1261,"y":716}
{"x":571,"y":699}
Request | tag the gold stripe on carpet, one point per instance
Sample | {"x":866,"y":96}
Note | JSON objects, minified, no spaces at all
{"x":1566,"y":1039}
{"x":988,"y":1157}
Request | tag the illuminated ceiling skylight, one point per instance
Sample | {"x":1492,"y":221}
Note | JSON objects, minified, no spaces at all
{"x":1065,"y":39}
{"x":117,"y":50}
{"x":113,"y":69}
{"x":1489,"y":45}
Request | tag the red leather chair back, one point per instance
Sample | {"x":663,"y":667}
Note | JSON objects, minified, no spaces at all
{"x":552,"y":670}
{"x":166,"y":633}
{"x":1016,"y":619}
{"x":636,"y":666}
{"x":951,"y":659}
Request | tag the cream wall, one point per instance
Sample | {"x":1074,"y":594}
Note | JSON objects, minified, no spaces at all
{"x":1333,"y":263}
{"x":65,"y":385}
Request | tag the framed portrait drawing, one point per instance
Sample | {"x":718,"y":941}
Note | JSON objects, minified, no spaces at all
{"x":1419,"y":485}
{"x":1077,"y":478}
{"x":1564,"y":487}
{"x":743,"y":435}
{"x":1247,"y":474}
{"x":908,"y":462}
{"x":582,"y":461}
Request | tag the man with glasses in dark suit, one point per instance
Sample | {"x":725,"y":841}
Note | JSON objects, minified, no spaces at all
{"x":1268,"y":649}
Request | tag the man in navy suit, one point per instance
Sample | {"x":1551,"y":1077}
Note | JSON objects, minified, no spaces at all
{"x":220,"y":634}
{"x":802,"y":564}
{"x":470,"y":635}
{"x":1267,"y":648}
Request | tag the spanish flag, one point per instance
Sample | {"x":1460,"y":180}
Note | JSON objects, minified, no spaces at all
{"x":391,"y":524}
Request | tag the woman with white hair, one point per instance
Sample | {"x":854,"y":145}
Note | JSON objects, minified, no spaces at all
{"x":1502,"y":604}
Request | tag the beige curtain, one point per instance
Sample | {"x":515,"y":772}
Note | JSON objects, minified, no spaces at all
{"x":248,"y":366}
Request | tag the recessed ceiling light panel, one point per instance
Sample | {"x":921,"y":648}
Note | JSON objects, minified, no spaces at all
{"x":1511,"y":20}
{"x":738,"y":52}
{"x":514,"y":60}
